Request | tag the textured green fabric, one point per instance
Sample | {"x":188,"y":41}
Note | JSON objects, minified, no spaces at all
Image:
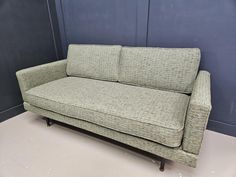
{"x":148,"y":113}
{"x":163,"y":68}
{"x":198,"y":113}
{"x":164,"y":123}
{"x":38,"y":75}
{"x":94,"y":61}
{"x":175,"y":154}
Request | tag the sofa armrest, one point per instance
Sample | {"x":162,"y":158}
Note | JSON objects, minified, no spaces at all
{"x":38,"y":75}
{"x":198,"y":113}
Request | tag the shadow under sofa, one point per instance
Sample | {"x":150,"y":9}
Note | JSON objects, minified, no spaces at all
{"x":153,"y":99}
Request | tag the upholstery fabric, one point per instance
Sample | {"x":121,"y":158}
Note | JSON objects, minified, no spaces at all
{"x":175,"y":154}
{"x":37,"y":75}
{"x":94,"y":61}
{"x":148,"y":113}
{"x":159,"y":119}
{"x":198,"y":113}
{"x":172,"y":69}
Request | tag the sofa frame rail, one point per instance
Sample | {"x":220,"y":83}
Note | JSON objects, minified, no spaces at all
{"x":162,"y":160}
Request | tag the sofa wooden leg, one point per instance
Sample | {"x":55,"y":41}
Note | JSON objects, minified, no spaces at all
{"x":162,"y":165}
{"x":49,"y":122}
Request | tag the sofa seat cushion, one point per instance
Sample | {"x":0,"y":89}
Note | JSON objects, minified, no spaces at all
{"x":151,"y":114}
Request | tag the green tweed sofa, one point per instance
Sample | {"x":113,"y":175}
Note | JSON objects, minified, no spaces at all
{"x":150,"y":98}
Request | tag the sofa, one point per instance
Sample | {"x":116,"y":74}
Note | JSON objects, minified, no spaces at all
{"x":150,"y":98}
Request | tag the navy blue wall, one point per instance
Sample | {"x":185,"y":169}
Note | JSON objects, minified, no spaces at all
{"x":103,"y":22}
{"x":207,"y":24}
{"x":27,"y":39}
{"x":211,"y":26}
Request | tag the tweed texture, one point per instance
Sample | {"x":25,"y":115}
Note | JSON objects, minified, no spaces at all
{"x":38,"y":75}
{"x":168,"y":124}
{"x":173,"y":69}
{"x":94,"y":61}
{"x":175,"y":154}
{"x":198,"y":113}
{"x":148,"y":113}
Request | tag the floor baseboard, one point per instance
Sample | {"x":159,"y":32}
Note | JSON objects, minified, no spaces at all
{"x":11,"y":112}
{"x":222,"y":127}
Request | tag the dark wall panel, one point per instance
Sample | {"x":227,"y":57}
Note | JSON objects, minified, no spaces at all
{"x":211,"y":26}
{"x":103,"y":22}
{"x":30,"y":36}
{"x":26,"y":40}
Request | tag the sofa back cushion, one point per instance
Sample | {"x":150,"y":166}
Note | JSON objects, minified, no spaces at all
{"x":173,"y":69}
{"x":94,"y":61}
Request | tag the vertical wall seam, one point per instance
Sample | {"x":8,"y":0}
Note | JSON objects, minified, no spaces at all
{"x":64,"y":27}
{"x":149,"y":1}
{"x":52,"y":29}
{"x":61,"y":26}
{"x":136,"y":24}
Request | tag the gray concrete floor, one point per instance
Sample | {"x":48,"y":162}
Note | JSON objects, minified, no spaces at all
{"x":28,"y":148}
